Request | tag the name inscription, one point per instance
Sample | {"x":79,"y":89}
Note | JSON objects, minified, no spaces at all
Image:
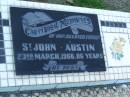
{"x":52,"y":47}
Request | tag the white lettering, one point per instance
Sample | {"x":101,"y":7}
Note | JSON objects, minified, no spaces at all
{"x":80,"y":47}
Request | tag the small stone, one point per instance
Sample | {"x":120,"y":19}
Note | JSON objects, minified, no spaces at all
{"x":124,"y":86}
{"x":114,"y":87}
{"x":12,"y":95}
{"x":68,"y":91}
{"x":36,"y":94}
{"x":70,"y":1}
{"x":55,"y":96}
{"x":99,"y":95}
{"x":25,"y":95}
{"x":105,"y":88}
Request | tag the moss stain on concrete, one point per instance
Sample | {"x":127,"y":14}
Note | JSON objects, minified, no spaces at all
{"x":121,"y":5}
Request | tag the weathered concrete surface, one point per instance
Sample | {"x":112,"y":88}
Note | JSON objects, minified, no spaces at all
{"x":52,"y":1}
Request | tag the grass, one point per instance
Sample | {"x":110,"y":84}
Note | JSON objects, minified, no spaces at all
{"x":90,"y":3}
